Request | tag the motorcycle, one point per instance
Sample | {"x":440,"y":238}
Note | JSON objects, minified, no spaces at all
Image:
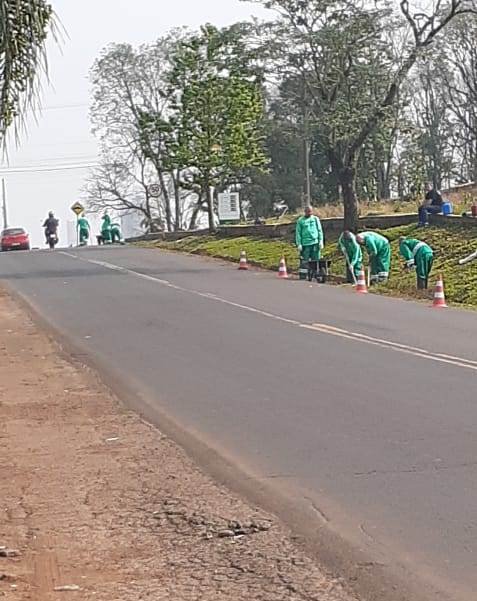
{"x":52,"y":239}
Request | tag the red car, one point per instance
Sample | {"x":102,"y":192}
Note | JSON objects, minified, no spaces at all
{"x":14,"y":238}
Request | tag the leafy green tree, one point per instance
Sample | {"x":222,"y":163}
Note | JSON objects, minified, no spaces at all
{"x":342,"y":49}
{"x":24,"y":26}
{"x":217,"y":110}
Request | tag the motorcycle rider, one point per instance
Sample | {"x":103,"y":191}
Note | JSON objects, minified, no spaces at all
{"x":51,"y":226}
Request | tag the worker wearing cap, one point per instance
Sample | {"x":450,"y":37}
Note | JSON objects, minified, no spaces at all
{"x":309,"y":240}
{"x":379,"y":251}
{"x":352,"y":252}
{"x":418,"y":255}
{"x":84,"y":229}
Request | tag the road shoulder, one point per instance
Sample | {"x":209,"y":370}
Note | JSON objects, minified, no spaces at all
{"x":99,"y":502}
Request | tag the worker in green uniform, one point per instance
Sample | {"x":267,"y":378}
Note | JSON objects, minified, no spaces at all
{"x":379,"y":251}
{"x":418,"y":255}
{"x":309,"y":241}
{"x":84,"y":230}
{"x":352,"y":252}
{"x":116,"y":235}
{"x":106,"y":229}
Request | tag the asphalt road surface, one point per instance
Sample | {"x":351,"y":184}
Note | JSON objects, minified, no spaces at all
{"x":362,"y":407}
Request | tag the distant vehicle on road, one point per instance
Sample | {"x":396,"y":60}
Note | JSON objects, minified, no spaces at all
{"x":52,"y":239}
{"x":14,"y":238}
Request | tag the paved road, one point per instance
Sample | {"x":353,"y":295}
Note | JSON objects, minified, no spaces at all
{"x":363,"y":406}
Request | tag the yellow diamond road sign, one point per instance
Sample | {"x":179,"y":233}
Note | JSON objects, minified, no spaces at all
{"x":77,"y":208}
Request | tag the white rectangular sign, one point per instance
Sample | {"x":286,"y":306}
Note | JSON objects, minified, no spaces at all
{"x":229,"y":206}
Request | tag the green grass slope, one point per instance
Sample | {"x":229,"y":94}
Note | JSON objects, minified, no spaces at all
{"x":450,"y":244}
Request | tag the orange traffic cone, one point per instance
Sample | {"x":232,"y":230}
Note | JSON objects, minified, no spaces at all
{"x":243,"y":265}
{"x":282,"y":269}
{"x":439,"y":297}
{"x":361,"y":285}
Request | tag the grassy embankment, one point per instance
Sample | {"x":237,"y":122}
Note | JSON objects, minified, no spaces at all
{"x":450,"y":244}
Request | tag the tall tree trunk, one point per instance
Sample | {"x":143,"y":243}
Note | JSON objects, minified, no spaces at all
{"x":167,"y":201}
{"x":347,"y":176}
{"x":195,"y":213}
{"x":177,"y":200}
{"x":400,"y":182}
{"x":210,"y":202}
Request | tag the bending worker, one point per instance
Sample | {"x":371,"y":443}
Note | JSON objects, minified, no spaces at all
{"x":417,"y":255}
{"x":379,"y":251}
{"x":309,"y":241}
{"x":352,"y":252}
{"x":116,"y":235}
{"x":106,"y":229}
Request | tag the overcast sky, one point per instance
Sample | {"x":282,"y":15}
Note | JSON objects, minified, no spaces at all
{"x":62,"y":135}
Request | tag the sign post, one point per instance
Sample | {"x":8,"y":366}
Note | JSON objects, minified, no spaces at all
{"x":77,"y":209}
{"x":229,"y":206}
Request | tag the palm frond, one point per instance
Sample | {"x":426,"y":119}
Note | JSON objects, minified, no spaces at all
{"x":24,"y":27}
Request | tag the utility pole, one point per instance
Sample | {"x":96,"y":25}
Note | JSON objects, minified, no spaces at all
{"x":4,"y":205}
{"x":306,"y":150}
{"x":307,"y":169}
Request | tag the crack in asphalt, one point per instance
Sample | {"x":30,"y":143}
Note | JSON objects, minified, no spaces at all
{"x":417,"y":470}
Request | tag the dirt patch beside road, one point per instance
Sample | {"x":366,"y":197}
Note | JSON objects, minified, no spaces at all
{"x":99,"y":505}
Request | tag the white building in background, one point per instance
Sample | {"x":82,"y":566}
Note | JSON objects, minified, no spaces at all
{"x":131,"y":225}
{"x":71,"y":233}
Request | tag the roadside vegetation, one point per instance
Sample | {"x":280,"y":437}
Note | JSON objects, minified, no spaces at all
{"x":449,"y":244}
{"x":264,"y":106}
{"x":369,"y":208}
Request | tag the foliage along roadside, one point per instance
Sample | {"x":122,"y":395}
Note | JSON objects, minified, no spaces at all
{"x":449,"y":244}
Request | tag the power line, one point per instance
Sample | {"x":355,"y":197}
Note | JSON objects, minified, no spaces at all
{"x":46,"y":169}
{"x":63,"y":106}
{"x":72,"y":159}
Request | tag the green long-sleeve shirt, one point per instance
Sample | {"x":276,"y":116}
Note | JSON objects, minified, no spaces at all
{"x":375,"y":243}
{"x":410,"y":248}
{"x":309,"y":231}
{"x":351,"y":249}
{"x":83,"y":224}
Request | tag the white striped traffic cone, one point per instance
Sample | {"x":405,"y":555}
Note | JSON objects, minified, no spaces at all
{"x":282,"y":269}
{"x":439,"y":296}
{"x":361,"y":285}
{"x":243,"y":265}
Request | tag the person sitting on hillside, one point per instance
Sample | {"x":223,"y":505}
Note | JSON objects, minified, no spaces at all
{"x":432,"y":205}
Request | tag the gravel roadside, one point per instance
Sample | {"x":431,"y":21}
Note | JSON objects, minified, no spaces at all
{"x":97,"y":504}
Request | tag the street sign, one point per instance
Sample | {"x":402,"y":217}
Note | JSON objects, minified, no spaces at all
{"x":77,"y":208}
{"x":229,"y":206}
{"x":154,"y":190}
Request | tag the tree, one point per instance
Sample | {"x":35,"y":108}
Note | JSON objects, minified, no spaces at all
{"x":217,"y":108}
{"x":128,"y":85}
{"x":432,"y":117}
{"x":342,"y":51}
{"x":122,"y":187}
{"x":457,"y":70}
{"x":24,"y":26}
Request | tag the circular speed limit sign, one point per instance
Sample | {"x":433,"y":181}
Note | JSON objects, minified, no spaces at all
{"x":154,"y":190}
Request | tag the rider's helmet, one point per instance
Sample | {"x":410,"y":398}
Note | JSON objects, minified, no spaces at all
{"x":51,"y":214}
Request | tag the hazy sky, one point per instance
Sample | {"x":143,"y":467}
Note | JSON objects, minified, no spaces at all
{"x":62,"y":135}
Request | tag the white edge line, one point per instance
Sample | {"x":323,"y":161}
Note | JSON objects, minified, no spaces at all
{"x":322,"y":328}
